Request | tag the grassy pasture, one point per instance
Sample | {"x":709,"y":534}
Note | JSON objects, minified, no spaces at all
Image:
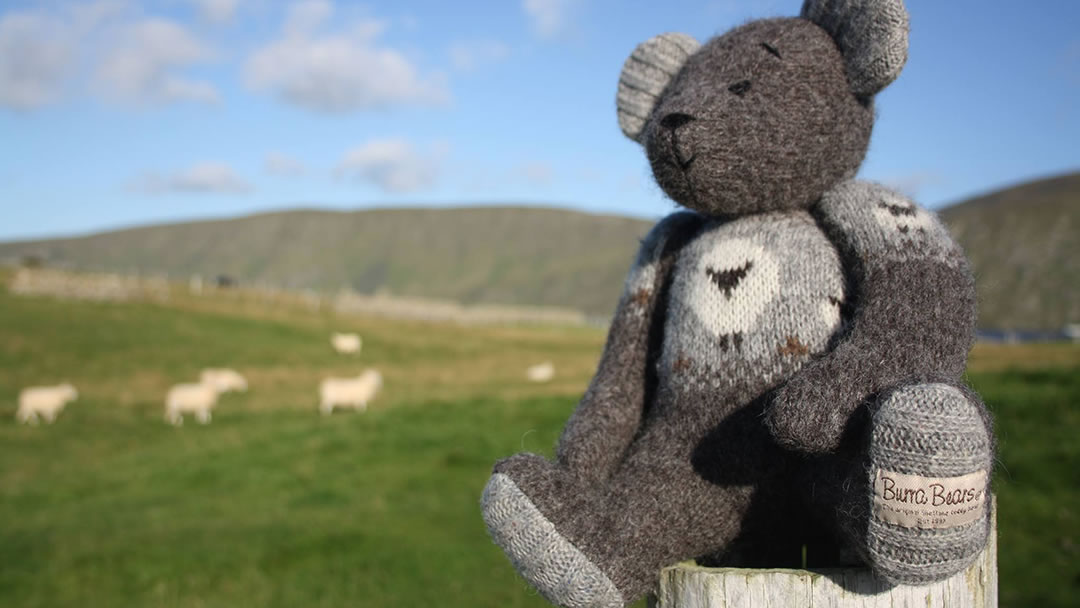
{"x":273,"y":505}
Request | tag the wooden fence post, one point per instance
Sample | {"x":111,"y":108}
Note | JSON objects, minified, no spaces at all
{"x":690,"y":586}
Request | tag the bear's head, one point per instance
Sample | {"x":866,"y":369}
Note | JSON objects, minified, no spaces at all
{"x":768,"y":116}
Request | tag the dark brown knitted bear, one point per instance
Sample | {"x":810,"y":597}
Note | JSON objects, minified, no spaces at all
{"x":784,"y":365}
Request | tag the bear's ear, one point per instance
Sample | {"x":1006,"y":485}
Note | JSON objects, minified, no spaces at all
{"x":871,"y":34}
{"x":646,"y":74}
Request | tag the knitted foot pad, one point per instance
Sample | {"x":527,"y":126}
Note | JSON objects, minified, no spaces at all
{"x":930,"y":458}
{"x":555,"y":567}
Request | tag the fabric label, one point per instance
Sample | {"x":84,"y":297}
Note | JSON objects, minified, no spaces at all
{"x":913,"y":501}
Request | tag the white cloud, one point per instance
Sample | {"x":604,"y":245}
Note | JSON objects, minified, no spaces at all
{"x":392,"y":164}
{"x":35,"y":57}
{"x":206,"y":177}
{"x":306,"y":16}
{"x":338,"y":72}
{"x":277,"y":163}
{"x":549,"y":17}
{"x":41,"y":52}
{"x":85,"y":17}
{"x":468,"y":56}
{"x":141,"y":66}
{"x":217,"y":11}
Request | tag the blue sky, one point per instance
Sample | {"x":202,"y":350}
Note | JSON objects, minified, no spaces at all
{"x":116,"y":113}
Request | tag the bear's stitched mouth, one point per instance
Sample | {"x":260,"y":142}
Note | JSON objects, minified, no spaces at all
{"x":680,"y":154}
{"x":674,"y":159}
{"x":684,"y":154}
{"x":679,"y":163}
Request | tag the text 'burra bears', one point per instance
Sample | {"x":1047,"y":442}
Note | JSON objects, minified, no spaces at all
{"x":937,"y":496}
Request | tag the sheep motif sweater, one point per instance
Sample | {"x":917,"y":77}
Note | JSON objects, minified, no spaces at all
{"x":750,"y":301}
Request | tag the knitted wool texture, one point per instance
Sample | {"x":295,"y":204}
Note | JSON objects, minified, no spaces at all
{"x":743,"y":130}
{"x":928,"y":430}
{"x":646,"y":74}
{"x":913,"y":313}
{"x":873,"y":37}
{"x":778,"y":353}
{"x":560,"y":572}
{"x":751,"y":300}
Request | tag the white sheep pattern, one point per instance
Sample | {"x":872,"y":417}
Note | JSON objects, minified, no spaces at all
{"x":190,"y":398}
{"x":349,"y":392}
{"x":46,"y":401}
{"x":346,"y":344}
{"x":541,"y":372}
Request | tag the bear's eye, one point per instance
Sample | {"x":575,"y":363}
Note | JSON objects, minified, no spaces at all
{"x":772,"y":50}
{"x":740,"y":88}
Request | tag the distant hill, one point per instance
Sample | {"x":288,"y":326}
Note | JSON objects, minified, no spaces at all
{"x":476,"y":255}
{"x":1024,"y":246}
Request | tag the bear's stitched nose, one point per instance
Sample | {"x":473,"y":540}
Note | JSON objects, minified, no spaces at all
{"x":681,"y":148}
{"x":675,"y":120}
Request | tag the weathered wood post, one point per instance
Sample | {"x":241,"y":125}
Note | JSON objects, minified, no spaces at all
{"x":690,"y":586}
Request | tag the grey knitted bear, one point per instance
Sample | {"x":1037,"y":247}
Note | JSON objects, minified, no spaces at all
{"x":784,"y":365}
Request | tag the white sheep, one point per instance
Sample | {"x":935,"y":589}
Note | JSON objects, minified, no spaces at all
{"x":346,"y":344}
{"x":223,"y":379}
{"x":349,"y":392}
{"x":190,"y":398}
{"x":47,"y":401}
{"x":541,"y":372}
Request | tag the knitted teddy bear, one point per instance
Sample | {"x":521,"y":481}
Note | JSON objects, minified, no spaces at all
{"x":783,"y":368}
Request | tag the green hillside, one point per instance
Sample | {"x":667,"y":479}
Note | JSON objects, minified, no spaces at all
{"x":490,"y":255}
{"x":1022,"y":241}
{"x":1024,"y":245}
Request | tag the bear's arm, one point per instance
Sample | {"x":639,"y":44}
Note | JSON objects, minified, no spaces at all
{"x":610,"y":412}
{"x":912,"y":301}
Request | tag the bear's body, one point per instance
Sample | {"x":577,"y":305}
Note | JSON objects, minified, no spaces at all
{"x":783,"y":368}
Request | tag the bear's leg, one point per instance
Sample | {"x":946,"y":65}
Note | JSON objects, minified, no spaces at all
{"x":659,"y":510}
{"x":915,"y":502}
{"x":700,"y":482}
{"x":602,"y":546}
{"x":529,"y":505}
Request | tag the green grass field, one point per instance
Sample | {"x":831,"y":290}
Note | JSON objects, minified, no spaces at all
{"x":274,"y":505}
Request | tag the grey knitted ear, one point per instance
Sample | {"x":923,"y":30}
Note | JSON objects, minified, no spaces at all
{"x":872,"y":35}
{"x":646,"y":74}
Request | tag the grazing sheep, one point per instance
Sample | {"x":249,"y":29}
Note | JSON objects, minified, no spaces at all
{"x":223,"y":379}
{"x":197,"y":399}
{"x":542,"y":372}
{"x":349,"y":392}
{"x":346,"y":344}
{"x":44,"y":400}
